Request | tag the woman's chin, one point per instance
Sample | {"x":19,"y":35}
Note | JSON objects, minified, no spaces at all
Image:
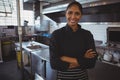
{"x":73,"y":24}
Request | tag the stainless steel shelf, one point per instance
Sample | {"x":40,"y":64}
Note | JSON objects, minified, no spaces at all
{"x":110,"y":63}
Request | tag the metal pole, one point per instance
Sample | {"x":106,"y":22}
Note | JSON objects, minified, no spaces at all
{"x":1,"y":60}
{"x":20,"y":35}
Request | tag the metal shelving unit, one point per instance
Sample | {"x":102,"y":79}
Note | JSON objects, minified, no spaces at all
{"x":101,"y":52}
{"x":117,"y":64}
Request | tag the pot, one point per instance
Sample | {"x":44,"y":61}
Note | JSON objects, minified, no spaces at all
{"x":107,"y":56}
{"x":116,"y":57}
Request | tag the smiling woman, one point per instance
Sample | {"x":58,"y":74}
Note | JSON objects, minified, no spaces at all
{"x":72,"y":49}
{"x":73,"y":15}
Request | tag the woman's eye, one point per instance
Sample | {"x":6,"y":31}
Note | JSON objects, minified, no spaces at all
{"x":77,"y":13}
{"x":70,"y":13}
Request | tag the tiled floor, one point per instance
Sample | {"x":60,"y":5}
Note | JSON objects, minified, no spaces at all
{"x":9,"y":71}
{"x":102,"y":71}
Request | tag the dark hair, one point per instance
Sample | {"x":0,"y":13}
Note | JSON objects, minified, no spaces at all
{"x":75,"y":3}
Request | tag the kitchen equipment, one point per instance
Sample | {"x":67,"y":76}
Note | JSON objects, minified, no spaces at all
{"x":2,"y":34}
{"x":116,"y":57}
{"x":107,"y":56}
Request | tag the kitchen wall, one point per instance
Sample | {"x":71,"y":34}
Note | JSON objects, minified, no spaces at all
{"x":97,"y":29}
{"x":11,"y":19}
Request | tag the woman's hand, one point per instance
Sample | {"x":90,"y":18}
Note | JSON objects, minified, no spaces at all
{"x":72,"y":65}
{"x":68,"y":59}
{"x":73,"y":61}
{"x":90,"y":54}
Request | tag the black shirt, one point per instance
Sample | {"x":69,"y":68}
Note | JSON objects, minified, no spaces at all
{"x":65,"y":42}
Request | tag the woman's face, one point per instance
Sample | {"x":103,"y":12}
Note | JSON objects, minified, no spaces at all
{"x":73,"y":15}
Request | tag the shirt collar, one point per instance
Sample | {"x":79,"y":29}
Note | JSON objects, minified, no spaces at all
{"x":68,"y":28}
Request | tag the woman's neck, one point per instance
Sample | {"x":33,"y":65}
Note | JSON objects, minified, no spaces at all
{"x":74,"y":28}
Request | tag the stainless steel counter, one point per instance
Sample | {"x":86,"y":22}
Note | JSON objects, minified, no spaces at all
{"x":27,"y":45}
{"x":38,"y":54}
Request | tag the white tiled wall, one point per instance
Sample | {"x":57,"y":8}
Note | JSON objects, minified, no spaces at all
{"x":12,"y":18}
{"x":98,"y":30}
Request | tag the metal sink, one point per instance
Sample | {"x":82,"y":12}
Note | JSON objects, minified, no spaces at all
{"x":34,"y":47}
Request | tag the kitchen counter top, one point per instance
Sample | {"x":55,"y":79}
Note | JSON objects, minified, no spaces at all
{"x":25,"y":45}
{"x":42,"y":51}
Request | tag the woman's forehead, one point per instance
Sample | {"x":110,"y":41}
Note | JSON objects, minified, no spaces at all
{"x":73,"y":7}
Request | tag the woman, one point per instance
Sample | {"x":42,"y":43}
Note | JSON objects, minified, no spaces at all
{"x":72,"y":49}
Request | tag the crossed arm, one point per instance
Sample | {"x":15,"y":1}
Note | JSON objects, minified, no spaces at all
{"x":73,"y":61}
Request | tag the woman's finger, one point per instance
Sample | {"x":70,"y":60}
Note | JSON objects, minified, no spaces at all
{"x":89,"y":50}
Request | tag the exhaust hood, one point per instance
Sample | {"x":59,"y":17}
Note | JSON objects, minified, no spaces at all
{"x":85,"y":4}
{"x":51,"y":6}
{"x":102,"y":13}
{"x":93,"y":10}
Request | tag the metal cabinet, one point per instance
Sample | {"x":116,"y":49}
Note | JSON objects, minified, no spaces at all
{"x":43,"y":68}
{"x":50,"y":73}
{"x":38,"y":66}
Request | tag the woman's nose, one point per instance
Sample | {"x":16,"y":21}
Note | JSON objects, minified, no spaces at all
{"x":73,"y":16}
